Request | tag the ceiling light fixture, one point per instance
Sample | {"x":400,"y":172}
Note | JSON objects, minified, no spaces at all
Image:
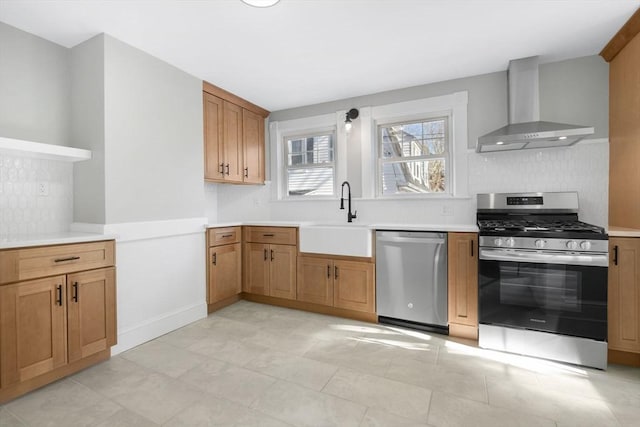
{"x":351,"y":115}
{"x":562,"y":137}
{"x":499,"y":142}
{"x":260,"y":3}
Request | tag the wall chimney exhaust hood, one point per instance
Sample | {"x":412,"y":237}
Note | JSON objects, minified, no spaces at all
{"x":525,"y":130}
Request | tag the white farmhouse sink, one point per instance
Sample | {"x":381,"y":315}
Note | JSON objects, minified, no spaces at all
{"x":336,"y":239}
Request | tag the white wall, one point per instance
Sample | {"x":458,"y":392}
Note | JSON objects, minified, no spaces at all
{"x":34,"y":88}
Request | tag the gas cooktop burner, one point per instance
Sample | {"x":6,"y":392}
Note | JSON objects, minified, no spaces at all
{"x":537,"y":225}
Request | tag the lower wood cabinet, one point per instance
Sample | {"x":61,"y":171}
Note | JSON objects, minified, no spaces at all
{"x":224,"y":264}
{"x":462,"y":272}
{"x":338,"y":283}
{"x":270,"y":270}
{"x":624,"y":300}
{"x":51,"y":327}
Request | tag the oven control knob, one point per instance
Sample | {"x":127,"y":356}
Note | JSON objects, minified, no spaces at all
{"x":497,"y":241}
{"x":572,"y":244}
{"x":541,"y":243}
{"x":510,"y":242}
{"x":585,"y":245}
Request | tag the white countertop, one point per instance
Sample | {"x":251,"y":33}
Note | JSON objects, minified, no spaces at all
{"x":43,"y":239}
{"x":471,"y":228}
{"x":623,"y":232}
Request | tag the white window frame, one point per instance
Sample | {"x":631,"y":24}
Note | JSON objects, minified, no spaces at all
{"x":454,"y":105}
{"x":380,"y":161}
{"x":285,"y":162}
{"x":279,"y":130}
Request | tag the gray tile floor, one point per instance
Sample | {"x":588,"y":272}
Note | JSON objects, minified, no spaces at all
{"x":257,"y":365}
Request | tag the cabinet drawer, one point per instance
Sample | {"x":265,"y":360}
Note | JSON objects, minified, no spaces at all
{"x":31,"y":263}
{"x":277,"y":235}
{"x":223,"y":236}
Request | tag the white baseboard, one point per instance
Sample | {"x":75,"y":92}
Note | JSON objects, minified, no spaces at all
{"x":155,"y":327}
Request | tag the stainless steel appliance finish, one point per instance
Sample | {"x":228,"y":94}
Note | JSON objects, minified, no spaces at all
{"x":542,"y":278}
{"x":525,"y":130}
{"x":579,"y":351}
{"x":411,"y":279}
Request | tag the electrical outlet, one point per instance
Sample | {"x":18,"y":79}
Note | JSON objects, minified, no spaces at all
{"x":43,"y":189}
{"x":447,"y":211}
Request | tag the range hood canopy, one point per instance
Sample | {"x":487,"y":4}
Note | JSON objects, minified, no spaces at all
{"x":525,"y":130}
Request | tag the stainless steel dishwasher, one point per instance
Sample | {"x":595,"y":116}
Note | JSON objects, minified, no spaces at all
{"x":411,"y":279}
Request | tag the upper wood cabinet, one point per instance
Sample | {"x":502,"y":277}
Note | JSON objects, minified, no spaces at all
{"x":233,"y":138}
{"x":623,"y":54}
{"x":624,"y":294}
{"x":463,"y":284}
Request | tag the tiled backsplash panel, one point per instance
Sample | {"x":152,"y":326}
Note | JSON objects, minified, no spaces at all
{"x":22,"y":210}
{"x":583,"y":168}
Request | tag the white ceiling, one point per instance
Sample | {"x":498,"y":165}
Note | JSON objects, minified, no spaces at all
{"x":303,"y":52}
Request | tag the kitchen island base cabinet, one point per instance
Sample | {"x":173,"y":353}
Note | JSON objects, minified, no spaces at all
{"x":463,"y":285}
{"x":54,"y":326}
{"x":624,"y":301}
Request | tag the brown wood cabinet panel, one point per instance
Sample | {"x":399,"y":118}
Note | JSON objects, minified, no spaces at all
{"x":272,"y":235}
{"x":354,"y":287}
{"x":233,"y":157}
{"x":31,"y":263}
{"x":253,"y":147}
{"x":91,"y":311}
{"x":624,"y":294}
{"x":256,"y":268}
{"x":315,"y":280}
{"x":224,"y":236}
{"x":282,"y":271}
{"x":624,"y":136}
{"x":213,"y":137}
{"x":463,"y":279}
{"x":225,"y":272}
{"x":33,"y":329}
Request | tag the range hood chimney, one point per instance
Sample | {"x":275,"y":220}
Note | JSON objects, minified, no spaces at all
{"x":525,"y":130}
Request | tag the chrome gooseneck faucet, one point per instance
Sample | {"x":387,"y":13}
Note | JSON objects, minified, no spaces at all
{"x":350,"y":216}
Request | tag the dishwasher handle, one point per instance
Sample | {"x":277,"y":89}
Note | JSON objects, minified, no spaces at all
{"x":422,"y":240}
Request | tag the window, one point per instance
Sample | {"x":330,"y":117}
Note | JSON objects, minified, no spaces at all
{"x":413,"y":157}
{"x":310,"y":163}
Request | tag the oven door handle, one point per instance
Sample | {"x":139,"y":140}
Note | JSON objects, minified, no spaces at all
{"x":593,"y":260}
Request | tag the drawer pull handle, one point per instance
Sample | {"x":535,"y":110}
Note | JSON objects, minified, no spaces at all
{"x":227,"y":168}
{"x":224,"y":236}
{"x":71,"y":258}
{"x":268,"y":235}
{"x":271,"y":254}
{"x":615,"y":255}
{"x":221,"y":170}
{"x":59,"y":292}
{"x":246,"y":172}
{"x":328,"y":271}
{"x":76,"y":293}
{"x":265,"y":254}
{"x":215,"y":258}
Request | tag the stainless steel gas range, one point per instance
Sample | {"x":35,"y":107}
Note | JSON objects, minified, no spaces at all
{"x":542,"y":278}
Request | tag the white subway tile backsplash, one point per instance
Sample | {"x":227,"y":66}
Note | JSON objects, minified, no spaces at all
{"x":22,"y":210}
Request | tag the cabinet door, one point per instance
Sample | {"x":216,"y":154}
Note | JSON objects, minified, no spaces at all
{"x":315,"y":280}
{"x":213,"y":137}
{"x":463,"y":279}
{"x":624,"y":294}
{"x":91,"y":302}
{"x":233,"y":159}
{"x":253,"y":147}
{"x":354,"y":286}
{"x":224,"y":272}
{"x":256,"y":278}
{"x":33,"y":329}
{"x":282,"y":271}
